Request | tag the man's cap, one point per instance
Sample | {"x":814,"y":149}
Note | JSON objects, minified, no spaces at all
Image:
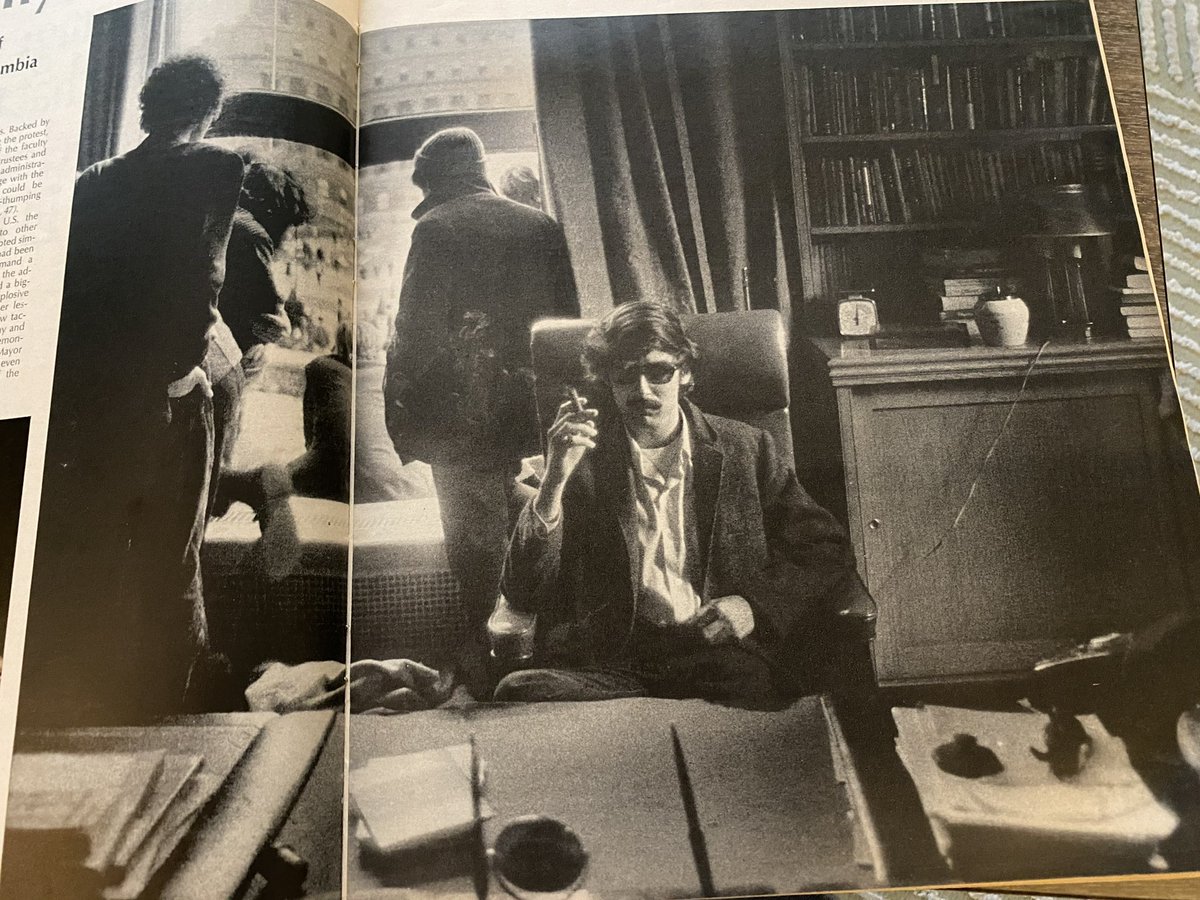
{"x":450,"y":154}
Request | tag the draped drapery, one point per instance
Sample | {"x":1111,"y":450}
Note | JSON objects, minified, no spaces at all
{"x":127,"y":43}
{"x":665,"y":148}
{"x":108,"y":69}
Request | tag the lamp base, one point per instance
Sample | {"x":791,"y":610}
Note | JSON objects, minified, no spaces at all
{"x":1073,"y":331}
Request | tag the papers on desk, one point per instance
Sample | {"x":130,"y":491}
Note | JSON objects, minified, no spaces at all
{"x":1105,"y":812}
{"x":412,"y":799}
{"x":98,"y":794}
{"x":122,"y":802}
{"x":134,"y":805}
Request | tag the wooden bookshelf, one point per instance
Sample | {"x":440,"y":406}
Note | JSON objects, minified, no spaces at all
{"x":920,"y":127}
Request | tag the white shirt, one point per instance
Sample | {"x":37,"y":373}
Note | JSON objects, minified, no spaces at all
{"x":662,"y":476}
{"x":667,"y":596}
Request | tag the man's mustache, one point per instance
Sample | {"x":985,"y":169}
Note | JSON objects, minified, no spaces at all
{"x":643,"y":405}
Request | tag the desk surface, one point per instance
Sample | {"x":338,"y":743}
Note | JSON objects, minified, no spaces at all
{"x":774,"y":813}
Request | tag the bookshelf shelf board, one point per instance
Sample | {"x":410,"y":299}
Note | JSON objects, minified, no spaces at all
{"x":893,"y":228}
{"x":981,"y":135}
{"x":1024,"y":46}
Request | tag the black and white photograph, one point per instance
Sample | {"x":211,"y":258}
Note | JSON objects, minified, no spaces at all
{"x":192,"y":541}
{"x":650,"y":455}
{"x":827,"y":523}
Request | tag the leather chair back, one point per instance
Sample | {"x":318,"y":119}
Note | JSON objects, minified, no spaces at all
{"x":742,"y":372}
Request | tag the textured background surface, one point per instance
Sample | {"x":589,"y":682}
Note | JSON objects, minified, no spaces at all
{"x":1170,"y":31}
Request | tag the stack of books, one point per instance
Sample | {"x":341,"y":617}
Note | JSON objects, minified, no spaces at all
{"x":959,"y":293}
{"x":1138,"y":306}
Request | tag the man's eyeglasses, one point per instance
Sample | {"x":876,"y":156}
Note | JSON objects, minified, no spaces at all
{"x":656,"y":373}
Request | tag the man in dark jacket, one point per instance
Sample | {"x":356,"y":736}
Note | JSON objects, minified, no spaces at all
{"x":116,"y":581}
{"x":458,"y":385}
{"x":668,"y":552}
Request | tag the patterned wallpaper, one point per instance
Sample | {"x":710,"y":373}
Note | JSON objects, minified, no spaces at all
{"x":1171,"y":49}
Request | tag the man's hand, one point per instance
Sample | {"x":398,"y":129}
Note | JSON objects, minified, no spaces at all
{"x":725,"y":620}
{"x":398,"y":685}
{"x":196,"y":378}
{"x":712,"y":625}
{"x":270,"y":327}
{"x":254,"y":361}
{"x":571,"y":436}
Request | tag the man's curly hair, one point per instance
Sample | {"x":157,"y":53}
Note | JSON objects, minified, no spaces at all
{"x":274,"y":197}
{"x":633,"y":329}
{"x":180,"y":93}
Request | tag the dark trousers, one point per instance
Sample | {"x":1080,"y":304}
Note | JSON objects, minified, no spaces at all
{"x":733,"y":674}
{"x":227,"y":425}
{"x":474,"y":508}
{"x":117,"y":630}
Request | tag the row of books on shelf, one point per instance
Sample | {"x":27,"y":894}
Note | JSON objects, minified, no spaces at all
{"x":921,"y":184}
{"x":953,"y":96}
{"x":931,"y":21}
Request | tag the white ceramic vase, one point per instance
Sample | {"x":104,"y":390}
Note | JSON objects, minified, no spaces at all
{"x":1003,"y":321}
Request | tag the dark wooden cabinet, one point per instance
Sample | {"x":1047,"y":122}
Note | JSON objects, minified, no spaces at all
{"x":1005,"y":502}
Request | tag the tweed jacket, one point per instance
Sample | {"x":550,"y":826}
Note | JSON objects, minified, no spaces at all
{"x":759,"y":536}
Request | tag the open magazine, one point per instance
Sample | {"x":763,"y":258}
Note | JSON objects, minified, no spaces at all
{"x":640,"y":451}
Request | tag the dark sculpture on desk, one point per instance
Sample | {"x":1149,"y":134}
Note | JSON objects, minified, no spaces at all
{"x":670,"y":552}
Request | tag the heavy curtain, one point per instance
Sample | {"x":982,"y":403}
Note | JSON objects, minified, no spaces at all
{"x":127,"y":43}
{"x":666,"y":155}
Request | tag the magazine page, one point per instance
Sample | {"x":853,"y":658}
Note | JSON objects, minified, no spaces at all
{"x":777,"y":478}
{"x":177,"y":275}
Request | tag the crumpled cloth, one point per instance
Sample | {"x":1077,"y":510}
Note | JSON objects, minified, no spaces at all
{"x":376,"y":686}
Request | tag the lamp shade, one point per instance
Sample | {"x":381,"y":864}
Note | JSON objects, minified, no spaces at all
{"x":1067,"y":210}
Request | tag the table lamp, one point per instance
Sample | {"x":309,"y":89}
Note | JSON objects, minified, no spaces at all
{"x":1066,"y":222}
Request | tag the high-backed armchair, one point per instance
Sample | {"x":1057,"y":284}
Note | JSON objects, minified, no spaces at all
{"x":742,"y":374}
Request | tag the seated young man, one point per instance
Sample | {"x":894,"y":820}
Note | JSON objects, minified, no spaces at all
{"x":668,"y":552}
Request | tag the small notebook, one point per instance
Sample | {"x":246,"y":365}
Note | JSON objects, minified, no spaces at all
{"x":408,"y":800}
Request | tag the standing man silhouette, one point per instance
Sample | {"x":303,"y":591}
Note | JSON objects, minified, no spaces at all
{"x":458,"y":386}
